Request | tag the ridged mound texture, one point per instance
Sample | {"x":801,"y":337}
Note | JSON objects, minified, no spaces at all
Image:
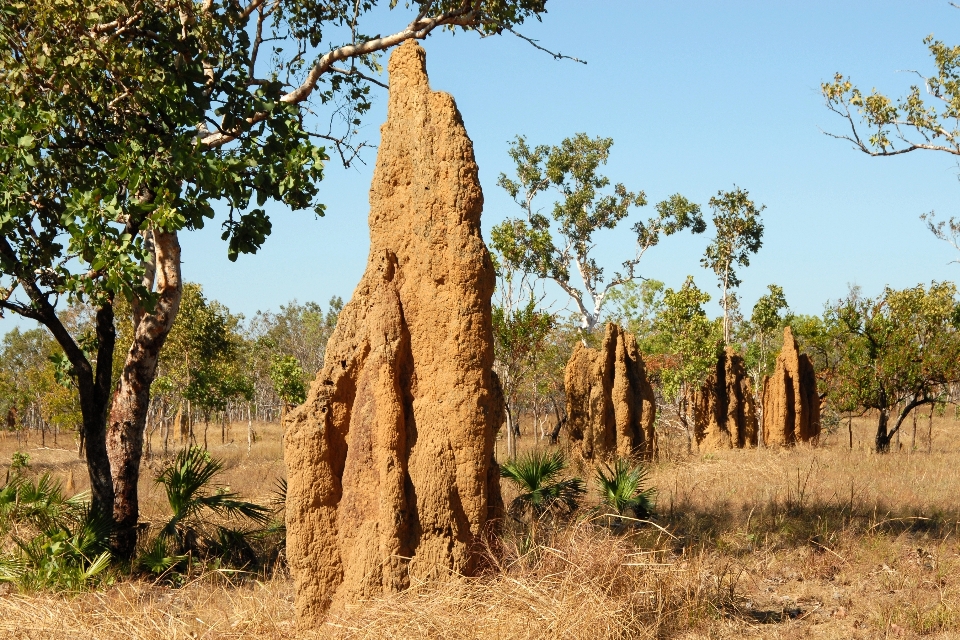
{"x":722,"y":411}
{"x":791,"y":406}
{"x":610,"y":403}
{"x":391,"y":477}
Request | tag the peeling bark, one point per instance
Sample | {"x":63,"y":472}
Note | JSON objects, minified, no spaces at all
{"x":132,"y":399}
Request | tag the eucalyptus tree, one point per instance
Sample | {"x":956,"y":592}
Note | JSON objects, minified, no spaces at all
{"x":571,"y":169}
{"x":123,"y":122}
{"x":635,"y":306}
{"x":739,"y":230}
{"x":519,"y":335}
{"x":927,"y":118}
{"x":760,"y":338}
{"x":760,"y":332}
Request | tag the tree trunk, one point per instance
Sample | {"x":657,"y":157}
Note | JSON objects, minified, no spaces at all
{"x":249,"y":430}
{"x":94,"y":393}
{"x":930,"y":431}
{"x":850,"y":429}
{"x":555,"y":434}
{"x":132,"y":399}
{"x":913,"y":434}
{"x":883,"y":438}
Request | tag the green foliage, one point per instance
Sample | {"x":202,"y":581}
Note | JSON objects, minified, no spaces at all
{"x":36,"y":380}
{"x":142,"y":92}
{"x":19,"y":462}
{"x":538,"y":475}
{"x":762,"y":332}
{"x":287,"y":377}
{"x":518,"y":338}
{"x":622,"y":488}
{"x":635,"y":306}
{"x":685,"y":339}
{"x":739,"y":230}
{"x":299,"y":330}
{"x":901,"y":348}
{"x":199,"y":511}
{"x":908,"y":123}
{"x":58,"y":542}
{"x":203,"y":355}
{"x":528,"y":244}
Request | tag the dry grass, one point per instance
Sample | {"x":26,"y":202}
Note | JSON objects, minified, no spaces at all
{"x":821,"y":542}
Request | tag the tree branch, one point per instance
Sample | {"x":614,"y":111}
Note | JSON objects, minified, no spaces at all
{"x":556,"y":56}
{"x":418,"y":29}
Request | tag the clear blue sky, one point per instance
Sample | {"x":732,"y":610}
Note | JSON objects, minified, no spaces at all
{"x":698,"y":96}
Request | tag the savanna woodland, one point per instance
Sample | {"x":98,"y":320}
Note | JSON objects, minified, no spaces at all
{"x":507,"y":428}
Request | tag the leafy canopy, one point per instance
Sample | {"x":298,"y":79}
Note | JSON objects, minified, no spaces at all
{"x":549,"y":247}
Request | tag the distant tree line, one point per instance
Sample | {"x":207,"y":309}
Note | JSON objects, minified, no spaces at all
{"x":886,"y":356}
{"x":217,"y":368}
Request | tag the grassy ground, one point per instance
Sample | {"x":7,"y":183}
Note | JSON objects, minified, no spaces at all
{"x":822,"y":542}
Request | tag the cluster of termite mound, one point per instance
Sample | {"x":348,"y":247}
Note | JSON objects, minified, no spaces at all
{"x":723,"y":412}
{"x":391,"y":472}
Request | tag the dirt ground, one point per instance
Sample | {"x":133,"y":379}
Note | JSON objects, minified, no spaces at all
{"x":825,"y":542}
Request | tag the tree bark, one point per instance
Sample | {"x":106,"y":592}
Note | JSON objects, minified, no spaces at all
{"x":94,"y":399}
{"x":882,"y":442}
{"x":132,"y":399}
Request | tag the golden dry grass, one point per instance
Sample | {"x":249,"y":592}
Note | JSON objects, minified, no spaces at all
{"x":821,"y":542}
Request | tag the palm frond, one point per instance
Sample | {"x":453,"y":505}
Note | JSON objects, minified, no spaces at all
{"x":622,"y":488}
{"x":537,"y":476}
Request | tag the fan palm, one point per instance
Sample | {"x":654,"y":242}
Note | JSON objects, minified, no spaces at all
{"x":192,"y":498}
{"x":66,"y":544}
{"x":538,"y":476}
{"x":622,"y":488}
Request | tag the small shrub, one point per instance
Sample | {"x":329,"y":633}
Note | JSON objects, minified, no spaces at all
{"x":622,"y":489}
{"x":538,"y":477}
{"x":198,"y":510}
{"x":58,"y":542}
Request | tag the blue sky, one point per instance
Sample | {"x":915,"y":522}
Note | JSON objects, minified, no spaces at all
{"x":698,"y":96}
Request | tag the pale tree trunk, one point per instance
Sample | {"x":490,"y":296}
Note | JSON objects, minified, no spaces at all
{"x":726,"y":307}
{"x":249,"y":429}
{"x":132,"y":398}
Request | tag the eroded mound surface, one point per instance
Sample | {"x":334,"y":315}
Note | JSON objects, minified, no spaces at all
{"x":610,"y":403}
{"x":390,"y":460}
{"x":791,"y":406}
{"x":723,"y":411}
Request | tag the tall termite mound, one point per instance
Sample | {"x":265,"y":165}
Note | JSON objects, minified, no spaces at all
{"x":722,"y":411}
{"x":391,"y":477}
{"x":791,"y":406}
{"x":610,"y":404}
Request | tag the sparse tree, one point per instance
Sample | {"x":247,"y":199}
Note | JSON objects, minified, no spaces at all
{"x":927,"y":118}
{"x":635,"y":306}
{"x":738,"y":234}
{"x":287,"y":376}
{"x":552,"y":247}
{"x":687,"y":344}
{"x":518,"y":336}
{"x":903,"y":349}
